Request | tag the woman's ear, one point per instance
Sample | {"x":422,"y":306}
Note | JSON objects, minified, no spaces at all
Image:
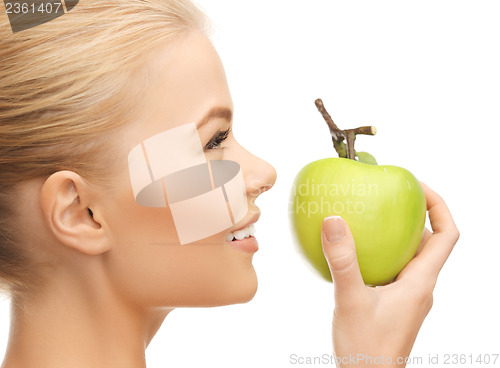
{"x":66,"y":205}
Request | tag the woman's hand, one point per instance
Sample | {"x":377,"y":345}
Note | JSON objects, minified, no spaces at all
{"x":376,"y":327}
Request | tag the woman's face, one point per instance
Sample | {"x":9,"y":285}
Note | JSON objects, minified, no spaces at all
{"x":146,"y":262}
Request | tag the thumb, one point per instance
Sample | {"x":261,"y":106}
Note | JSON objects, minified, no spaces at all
{"x":340,"y":253}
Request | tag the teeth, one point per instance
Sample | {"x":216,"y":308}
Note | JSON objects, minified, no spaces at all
{"x":241,"y":234}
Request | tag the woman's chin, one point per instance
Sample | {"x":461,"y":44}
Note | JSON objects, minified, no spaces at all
{"x":249,"y":295}
{"x":241,"y":292}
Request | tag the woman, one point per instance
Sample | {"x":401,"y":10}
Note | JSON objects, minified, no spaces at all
{"x":91,"y":270}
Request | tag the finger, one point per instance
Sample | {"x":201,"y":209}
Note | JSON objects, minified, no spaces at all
{"x":425,"y":237}
{"x":408,"y":268}
{"x":340,"y":253}
{"x":438,"y":247}
{"x":439,"y":214}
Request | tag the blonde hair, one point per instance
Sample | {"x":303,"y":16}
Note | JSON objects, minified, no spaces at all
{"x":64,"y":87}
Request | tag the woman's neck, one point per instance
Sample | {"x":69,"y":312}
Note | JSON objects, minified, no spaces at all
{"x":70,"y":324}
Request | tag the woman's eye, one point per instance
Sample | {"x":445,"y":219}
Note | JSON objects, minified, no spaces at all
{"x":217,"y":140}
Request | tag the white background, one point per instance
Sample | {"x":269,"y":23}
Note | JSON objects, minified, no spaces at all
{"x":427,"y":75}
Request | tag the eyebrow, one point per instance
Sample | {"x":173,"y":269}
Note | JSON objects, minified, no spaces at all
{"x":214,"y":113}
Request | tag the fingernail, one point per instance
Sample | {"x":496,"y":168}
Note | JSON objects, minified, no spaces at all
{"x":334,"y":228}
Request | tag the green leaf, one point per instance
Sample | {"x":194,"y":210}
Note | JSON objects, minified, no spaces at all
{"x":366,"y":158}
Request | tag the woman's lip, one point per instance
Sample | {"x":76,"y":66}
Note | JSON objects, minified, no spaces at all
{"x":249,"y":245}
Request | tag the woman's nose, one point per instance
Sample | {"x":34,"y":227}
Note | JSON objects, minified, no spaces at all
{"x":260,"y":176}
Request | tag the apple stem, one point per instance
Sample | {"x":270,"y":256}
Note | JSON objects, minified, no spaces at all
{"x":339,"y":135}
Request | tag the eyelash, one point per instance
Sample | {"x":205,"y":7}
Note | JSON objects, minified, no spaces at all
{"x":217,"y":140}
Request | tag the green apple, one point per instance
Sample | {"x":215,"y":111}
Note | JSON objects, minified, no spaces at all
{"x":384,"y":206}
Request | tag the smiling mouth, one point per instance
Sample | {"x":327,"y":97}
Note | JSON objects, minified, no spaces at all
{"x":246,"y":232}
